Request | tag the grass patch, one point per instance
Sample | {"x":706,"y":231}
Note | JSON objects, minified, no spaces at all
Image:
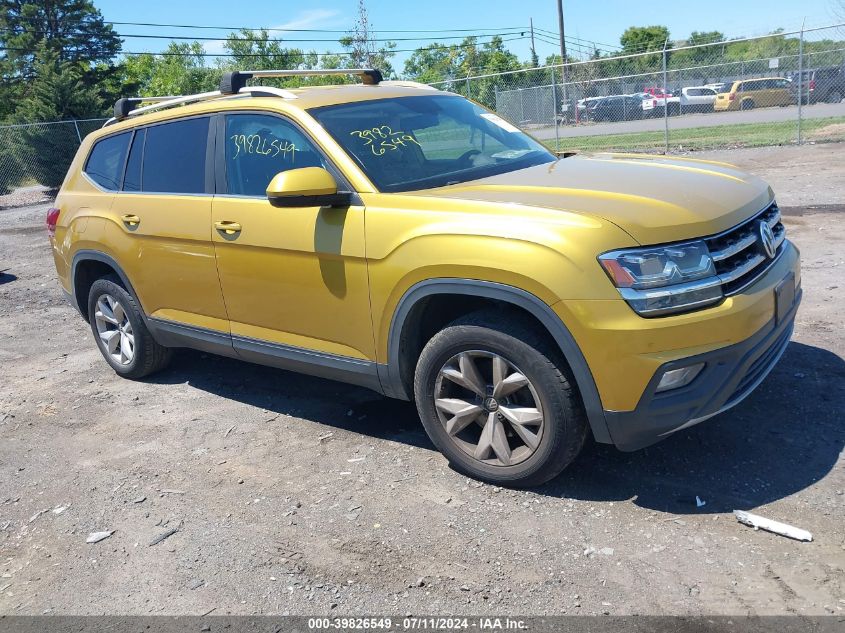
{"x":713,"y":137}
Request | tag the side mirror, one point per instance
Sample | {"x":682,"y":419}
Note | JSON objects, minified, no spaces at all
{"x":305,"y":187}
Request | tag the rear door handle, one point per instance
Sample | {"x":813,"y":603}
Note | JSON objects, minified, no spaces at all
{"x":131,"y":220}
{"x":229,"y":228}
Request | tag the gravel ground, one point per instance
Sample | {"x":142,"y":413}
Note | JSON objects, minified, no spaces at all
{"x":280,"y":493}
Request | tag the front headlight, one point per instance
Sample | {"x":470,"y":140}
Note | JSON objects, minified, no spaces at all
{"x":664,"y":279}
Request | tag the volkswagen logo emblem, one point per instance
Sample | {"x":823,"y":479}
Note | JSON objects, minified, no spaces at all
{"x":767,"y":238}
{"x":491,"y":404}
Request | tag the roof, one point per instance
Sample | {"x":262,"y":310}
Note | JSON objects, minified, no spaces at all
{"x":305,"y":99}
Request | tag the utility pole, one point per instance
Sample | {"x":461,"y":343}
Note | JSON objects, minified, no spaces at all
{"x":801,"y":78}
{"x":533,"y":50}
{"x":562,"y":58}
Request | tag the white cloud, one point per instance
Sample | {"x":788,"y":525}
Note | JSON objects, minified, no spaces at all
{"x":308,"y":19}
{"x":312,"y":18}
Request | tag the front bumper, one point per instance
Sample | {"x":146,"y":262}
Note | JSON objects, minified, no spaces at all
{"x":730,"y":374}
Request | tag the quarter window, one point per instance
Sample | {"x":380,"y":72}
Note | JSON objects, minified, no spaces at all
{"x":174,"y":157}
{"x":259,"y":146}
{"x":132,"y":179}
{"x":105,"y":164}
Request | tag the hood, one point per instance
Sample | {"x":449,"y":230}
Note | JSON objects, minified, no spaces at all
{"x":653,"y":198}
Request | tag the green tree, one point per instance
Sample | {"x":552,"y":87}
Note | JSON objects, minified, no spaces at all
{"x":180,"y":70}
{"x":256,"y":50}
{"x":703,"y":55}
{"x":642,"y":39}
{"x":57,"y":92}
{"x":430,"y":64}
{"x":71,"y":29}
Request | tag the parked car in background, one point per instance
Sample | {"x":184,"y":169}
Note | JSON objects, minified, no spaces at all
{"x":756,"y":93}
{"x":619,"y":108}
{"x":821,"y":85}
{"x":656,"y":91}
{"x":697,"y":99}
{"x":720,"y":86}
{"x":655,"y":100}
{"x":591,"y":105}
{"x":585,"y":106}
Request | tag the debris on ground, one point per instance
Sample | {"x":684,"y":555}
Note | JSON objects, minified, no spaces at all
{"x":38,"y":514}
{"x":163,"y":536}
{"x":96,"y":537}
{"x":762,"y":523}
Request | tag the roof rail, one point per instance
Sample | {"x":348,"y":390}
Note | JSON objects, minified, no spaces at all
{"x":125,"y":106}
{"x":405,"y":83}
{"x":232,"y":82}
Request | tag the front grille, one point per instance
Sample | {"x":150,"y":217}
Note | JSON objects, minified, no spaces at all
{"x":739,"y":254}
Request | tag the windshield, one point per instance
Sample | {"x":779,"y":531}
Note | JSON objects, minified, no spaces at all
{"x":410,"y":143}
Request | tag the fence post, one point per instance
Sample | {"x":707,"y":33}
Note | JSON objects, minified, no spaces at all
{"x":665,"y":103}
{"x":467,"y":83}
{"x":78,"y":135}
{"x":554,"y":105}
{"x":800,"y":78}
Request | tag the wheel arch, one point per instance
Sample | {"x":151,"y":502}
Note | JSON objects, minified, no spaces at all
{"x":394,"y":375}
{"x":86,"y":267}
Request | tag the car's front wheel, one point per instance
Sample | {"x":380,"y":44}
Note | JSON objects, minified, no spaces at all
{"x":120,"y":331}
{"x":497,"y":402}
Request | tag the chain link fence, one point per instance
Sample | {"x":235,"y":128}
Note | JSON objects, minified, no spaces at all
{"x":40,"y":153}
{"x":784,"y":88}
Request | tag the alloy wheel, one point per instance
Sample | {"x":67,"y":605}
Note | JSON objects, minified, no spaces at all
{"x":489,"y":408}
{"x":115,"y":329}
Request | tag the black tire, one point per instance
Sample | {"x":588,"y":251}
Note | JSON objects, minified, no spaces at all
{"x":564,"y":422}
{"x":747,"y":104}
{"x":834,"y":96}
{"x":148,"y":357}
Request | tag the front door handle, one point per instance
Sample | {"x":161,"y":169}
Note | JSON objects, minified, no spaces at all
{"x":229,"y":228}
{"x":131,"y":220}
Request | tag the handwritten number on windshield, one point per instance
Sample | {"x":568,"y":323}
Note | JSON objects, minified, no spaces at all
{"x":382,"y":139}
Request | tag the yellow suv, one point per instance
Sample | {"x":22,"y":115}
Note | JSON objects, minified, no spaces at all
{"x":408,"y":240}
{"x":756,"y":93}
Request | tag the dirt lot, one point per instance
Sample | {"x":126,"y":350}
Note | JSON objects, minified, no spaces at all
{"x":296,"y":495}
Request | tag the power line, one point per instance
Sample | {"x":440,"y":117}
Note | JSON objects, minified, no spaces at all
{"x":304,"y":53}
{"x":582,"y":49}
{"x":290,"y":30}
{"x":271,"y":39}
{"x":581,"y":43}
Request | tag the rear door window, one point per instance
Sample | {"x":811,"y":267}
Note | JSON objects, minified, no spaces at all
{"x":174,"y":157}
{"x":106,"y":161}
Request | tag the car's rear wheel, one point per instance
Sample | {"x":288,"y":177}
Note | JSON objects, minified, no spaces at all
{"x":497,"y":402}
{"x":747,"y":104}
{"x":120,"y":331}
{"x":834,"y":97}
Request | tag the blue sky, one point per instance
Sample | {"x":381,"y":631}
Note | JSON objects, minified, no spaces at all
{"x":601,"y":22}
